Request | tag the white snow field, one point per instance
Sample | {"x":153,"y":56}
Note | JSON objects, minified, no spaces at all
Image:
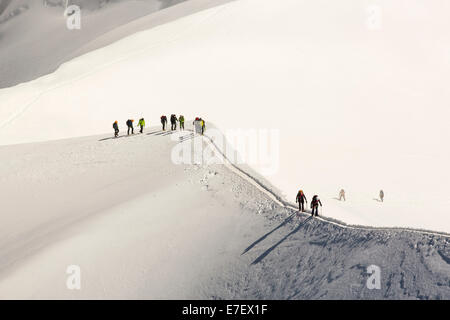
{"x":136,"y":224}
{"x":359,"y":105}
{"x":139,"y":226}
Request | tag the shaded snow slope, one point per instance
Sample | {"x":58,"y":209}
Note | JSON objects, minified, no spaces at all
{"x":137,"y":225}
{"x":34,"y":40}
{"x":356,"y":108}
{"x":142,"y":227}
{"x":328,"y":262}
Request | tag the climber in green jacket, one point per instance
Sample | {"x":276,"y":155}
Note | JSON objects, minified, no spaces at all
{"x":181,"y":120}
{"x":141,"y":124}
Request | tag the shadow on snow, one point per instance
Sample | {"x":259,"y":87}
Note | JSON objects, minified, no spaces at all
{"x":262,"y":256}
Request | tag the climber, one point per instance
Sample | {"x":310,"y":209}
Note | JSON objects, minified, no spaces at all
{"x":130,"y":126}
{"x":301,"y":199}
{"x":315,"y":205}
{"x":116,"y":129}
{"x":141,"y":125}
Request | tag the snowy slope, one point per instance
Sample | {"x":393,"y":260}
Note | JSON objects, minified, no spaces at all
{"x":141,"y":227}
{"x":34,"y":39}
{"x":357,"y":108}
{"x":137,"y":225}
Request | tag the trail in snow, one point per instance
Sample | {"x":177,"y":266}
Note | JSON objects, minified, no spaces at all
{"x":280,"y":201}
{"x":27,"y":105}
{"x":137,"y":225}
{"x":333,"y":134}
{"x":141,"y":227}
{"x":85,"y":197}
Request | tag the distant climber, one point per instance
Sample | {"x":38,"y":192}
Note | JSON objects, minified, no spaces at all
{"x":197,"y":125}
{"x":202,"y":123}
{"x":181,"y":120}
{"x":315,"y":205}
{"x":116,"y":129}
{"x":130,"y":126}
{"x":341,"y":195}
{"x":301,"y":199}
{"x":381,"y":195}
{"x":163,"y":122}
{"x":173,"y":122}
{"x":141,"y":125}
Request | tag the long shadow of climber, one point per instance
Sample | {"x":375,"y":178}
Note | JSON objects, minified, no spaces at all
{"x":111,"y":138}
{"x":262,"y":256}
{"x":152,"y":133}
{"x":187,"y":137}
{"x":159,"y":133}
{"x":269,"y":233}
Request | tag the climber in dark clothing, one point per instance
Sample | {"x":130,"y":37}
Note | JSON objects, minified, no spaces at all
{"x":301,"y":199}
{"x":130,"y":126}
{"x":315,"y":205}
{"x":173,"y":122}
{"x":116,"y":129}
{"x":163,"y":122}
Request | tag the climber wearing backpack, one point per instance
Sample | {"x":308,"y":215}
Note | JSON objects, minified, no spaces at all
{"x":197,"y":125}
{"x":163,"y":122}
{"x":181,"y":119}
{"x":315,"y":205}
{"x":301,"y":199}
{"x":141,"y":125}
{"x":130,"y":126}
{"x":116,"y":129}
{"x":173,"y":122}
{"x":202,"y":123}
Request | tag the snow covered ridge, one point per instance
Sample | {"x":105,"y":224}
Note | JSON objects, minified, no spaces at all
{"x":175,"y":231}
{"x":13,"y":13}
{"x":226,"y":154}
{"x":358,"y":106}
{"x":255,"y":147}
{"x":28,"y":53}
{"x":3,"y":5}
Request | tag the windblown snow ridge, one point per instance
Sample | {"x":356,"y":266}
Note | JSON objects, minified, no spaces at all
{"x":257,"y":247}
{"x":269,"y":190}
{"x":301,"y":257}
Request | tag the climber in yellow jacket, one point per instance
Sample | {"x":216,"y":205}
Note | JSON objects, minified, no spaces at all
{"x":141,"y":124}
